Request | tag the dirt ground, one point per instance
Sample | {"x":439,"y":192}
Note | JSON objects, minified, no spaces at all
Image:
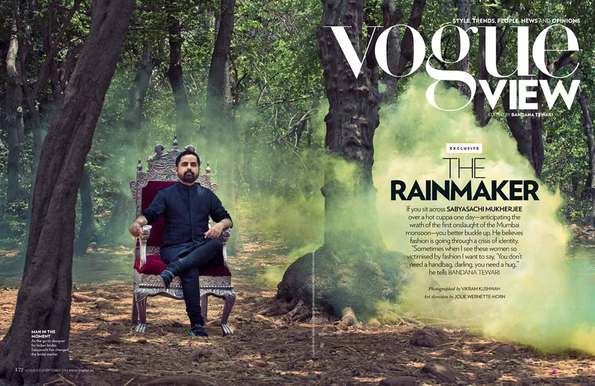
{"x":275,"y":350}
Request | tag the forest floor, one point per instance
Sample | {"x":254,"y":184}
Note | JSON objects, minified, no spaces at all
{"x":276,"y":350}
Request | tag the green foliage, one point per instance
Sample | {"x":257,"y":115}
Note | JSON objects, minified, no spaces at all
{"x":278,"y":101}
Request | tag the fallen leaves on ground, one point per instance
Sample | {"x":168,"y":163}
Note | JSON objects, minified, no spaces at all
{"x":269,"y":348}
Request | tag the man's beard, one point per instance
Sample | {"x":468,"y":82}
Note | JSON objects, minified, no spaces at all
{"x":188,"y":177}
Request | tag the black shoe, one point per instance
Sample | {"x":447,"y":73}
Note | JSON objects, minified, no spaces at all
{"x":198,"y":330}
{"x":167,"y":277}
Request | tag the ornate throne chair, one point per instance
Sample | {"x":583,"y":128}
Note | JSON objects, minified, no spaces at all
{"x":214,"y":280}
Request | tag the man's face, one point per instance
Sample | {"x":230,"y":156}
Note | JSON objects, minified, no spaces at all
{"x":188,"y":168}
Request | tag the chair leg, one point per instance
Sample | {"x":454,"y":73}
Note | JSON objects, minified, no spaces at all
{"x":230,"y":299}
{"x":204,"y":306}
{"x":140,"y":302}
{"x":134,"y":310}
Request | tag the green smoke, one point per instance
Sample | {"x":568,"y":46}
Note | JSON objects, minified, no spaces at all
{"x":549,"y":300}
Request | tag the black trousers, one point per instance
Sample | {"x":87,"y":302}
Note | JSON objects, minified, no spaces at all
{"x":186,"y":260}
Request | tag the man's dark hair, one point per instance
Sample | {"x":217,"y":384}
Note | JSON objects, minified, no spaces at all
{"x":186,"y":152}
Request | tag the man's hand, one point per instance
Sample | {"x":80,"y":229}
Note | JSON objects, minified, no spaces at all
{"x":137,"y":226}
{"x":215,"y":231}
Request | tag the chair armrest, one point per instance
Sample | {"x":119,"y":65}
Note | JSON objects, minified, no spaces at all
{"x":142,"y":244}
{"x":225,"y":235}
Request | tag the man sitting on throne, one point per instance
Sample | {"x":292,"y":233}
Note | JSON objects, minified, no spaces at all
{"x":188,"y":243}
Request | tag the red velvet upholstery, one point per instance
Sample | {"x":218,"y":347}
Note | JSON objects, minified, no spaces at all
{"x":149,"y":192}
{"x":154,"y":265}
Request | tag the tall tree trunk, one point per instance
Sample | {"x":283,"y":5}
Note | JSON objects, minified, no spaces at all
{"x":519,"y":129}
{"x":176,"y":78}
{"x":61,"y":76}
{"x":537,"y":148}
{"x":588,"y":127}
{"x":87,"y":227}
{"x":15,"y":125}
{"x":123,"y":207}
{"x":43,"y":301}
{"x":218,"y":87}
{"x":53,"y":25}
{"x":350,"y":122}
{"x":528,"y":131}
{"x":391,"y":15}
{"x":219,"y":115}
{"x":138,"y":91}
{"x":352,"y":245}
{"x":417,"y":11}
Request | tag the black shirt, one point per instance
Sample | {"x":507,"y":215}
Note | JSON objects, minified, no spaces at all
{"x":186,"y":210}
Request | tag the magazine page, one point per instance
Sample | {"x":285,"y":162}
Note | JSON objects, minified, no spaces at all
{"x":395,"y":192}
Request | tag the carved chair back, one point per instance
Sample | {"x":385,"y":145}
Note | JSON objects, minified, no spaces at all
{"x":161,"y":173}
